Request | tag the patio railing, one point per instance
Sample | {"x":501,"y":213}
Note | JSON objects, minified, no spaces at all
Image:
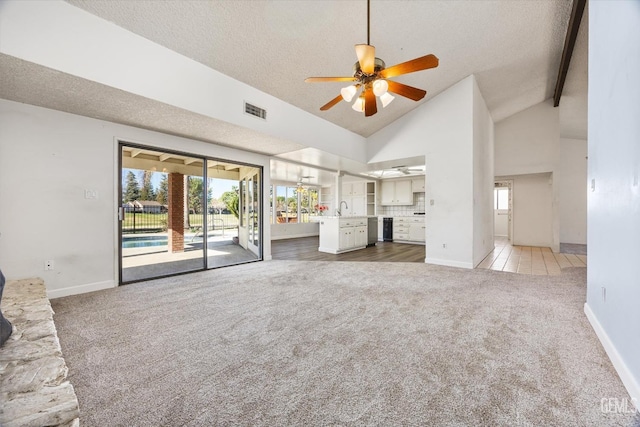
{"x":148,"y":222}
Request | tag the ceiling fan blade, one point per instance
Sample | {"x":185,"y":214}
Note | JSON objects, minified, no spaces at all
{"x":331,"y":103}
{"x":366,"y":57}
{"x":329,"y":79}
{"x":370,"y":107}
{"x":406,"y":90}
{"x":418,"y":64}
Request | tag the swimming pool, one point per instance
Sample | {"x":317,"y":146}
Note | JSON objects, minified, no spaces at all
{"x":143,"y":241}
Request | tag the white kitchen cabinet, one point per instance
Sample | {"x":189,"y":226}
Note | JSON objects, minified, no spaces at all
{"x":409,"y":229}
{"x":396,"y":193}
{"x":360,"y":234}
{"x":353,"y":189}
{"x":354,"y":195}
{"x":347,"y":238}
{"x":417,"y":184}
{"x":357,"y":206}
{"x":339,"y":234}
{"x":417,"y":232}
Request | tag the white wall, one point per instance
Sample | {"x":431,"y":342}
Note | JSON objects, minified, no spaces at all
{"x":528,"y":143}
{"x":614,"y":163}
{"x":47,"y":159}
{"x":292,"y":231}
{"x":572,"y":189}
{"x":442,"y":130}
{"x":483,"y":182}
{"x":532,"y":209}
{"x":63,"y":37}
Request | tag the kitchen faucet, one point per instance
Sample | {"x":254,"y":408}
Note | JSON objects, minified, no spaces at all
{"x":339,"y":210}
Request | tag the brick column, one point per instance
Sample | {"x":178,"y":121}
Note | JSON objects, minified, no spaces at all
{"x":175,"y":223}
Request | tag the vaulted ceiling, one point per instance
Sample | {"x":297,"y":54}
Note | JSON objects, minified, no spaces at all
{"x":512,"y":47}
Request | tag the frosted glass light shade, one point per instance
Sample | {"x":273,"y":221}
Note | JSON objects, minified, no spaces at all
{"x":386,"y":99}
{"x":380,"y":87}
{"x":348,"y":92}
{"x":359,"y":104}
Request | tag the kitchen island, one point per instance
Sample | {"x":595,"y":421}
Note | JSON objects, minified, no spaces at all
{"x":340,"y":234}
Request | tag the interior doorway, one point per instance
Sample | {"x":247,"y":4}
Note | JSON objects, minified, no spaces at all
{"x":180,"y":213}
{"x":503,"y":210}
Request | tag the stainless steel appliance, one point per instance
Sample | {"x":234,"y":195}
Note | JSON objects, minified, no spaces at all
{"x":387,"y":229}
{"x":372,"y":231}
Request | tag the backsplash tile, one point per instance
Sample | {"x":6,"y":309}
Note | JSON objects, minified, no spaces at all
{"x":418,"y":206}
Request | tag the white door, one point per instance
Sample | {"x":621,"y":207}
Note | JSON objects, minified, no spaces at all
{"x":502,"y":208}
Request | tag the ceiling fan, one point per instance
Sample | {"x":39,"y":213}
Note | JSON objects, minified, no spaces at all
{"x":406,"y":170}
{"x":300,"y":186}
{"x":370,"y":74}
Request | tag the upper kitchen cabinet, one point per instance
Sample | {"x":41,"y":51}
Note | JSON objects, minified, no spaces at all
{"x":396,"y":193}
{"x":360,"y":197}
{"x":354,"y":189}
{"x":417,"y":184}
{"x":356,"y":206}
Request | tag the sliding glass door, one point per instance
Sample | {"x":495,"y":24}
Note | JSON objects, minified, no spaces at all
{"x":180,"y":213}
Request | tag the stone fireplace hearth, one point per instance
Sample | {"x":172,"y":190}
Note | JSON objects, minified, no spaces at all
{"x":34,"y":390}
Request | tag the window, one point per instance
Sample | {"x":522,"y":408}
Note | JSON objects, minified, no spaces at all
{"x":501,"y":198}
{"x":291,"y":205}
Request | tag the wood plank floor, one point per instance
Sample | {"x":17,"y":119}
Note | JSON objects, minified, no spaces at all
{"x":306,"y":249}
{"x":529,"y":259}
{"x":505,"y":257}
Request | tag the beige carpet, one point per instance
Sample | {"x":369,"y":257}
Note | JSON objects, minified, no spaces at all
{"x":318,"y":343}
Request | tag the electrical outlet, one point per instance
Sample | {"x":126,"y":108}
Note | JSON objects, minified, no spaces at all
{"x":48,"y":265}
{"x":90,"y":194}
{"x":444,"y":246}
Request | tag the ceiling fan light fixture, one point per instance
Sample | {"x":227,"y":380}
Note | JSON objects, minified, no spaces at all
{"x":371,"y":73}
{"x":386,"y":99}
{"x":348,"y":92}
{"x":380,"y":87}
{"x":359,"y":104}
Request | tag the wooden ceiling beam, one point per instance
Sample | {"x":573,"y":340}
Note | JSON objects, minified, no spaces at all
{"x":569,"y":44}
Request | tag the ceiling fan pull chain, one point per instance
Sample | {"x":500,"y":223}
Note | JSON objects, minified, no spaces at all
{"x":368,"y":21}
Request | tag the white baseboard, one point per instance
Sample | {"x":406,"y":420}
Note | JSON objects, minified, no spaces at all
{"x":293,"y":236}
{"x":448,"y":263}
{"x":80,"y":289}
{"x":630,"y":383}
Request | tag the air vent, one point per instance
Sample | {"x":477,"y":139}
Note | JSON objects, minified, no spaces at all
{"x":255,"y":111}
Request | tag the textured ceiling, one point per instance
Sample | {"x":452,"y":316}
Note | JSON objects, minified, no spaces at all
{"x":513,"y":47}
{"x":33,"y":84}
